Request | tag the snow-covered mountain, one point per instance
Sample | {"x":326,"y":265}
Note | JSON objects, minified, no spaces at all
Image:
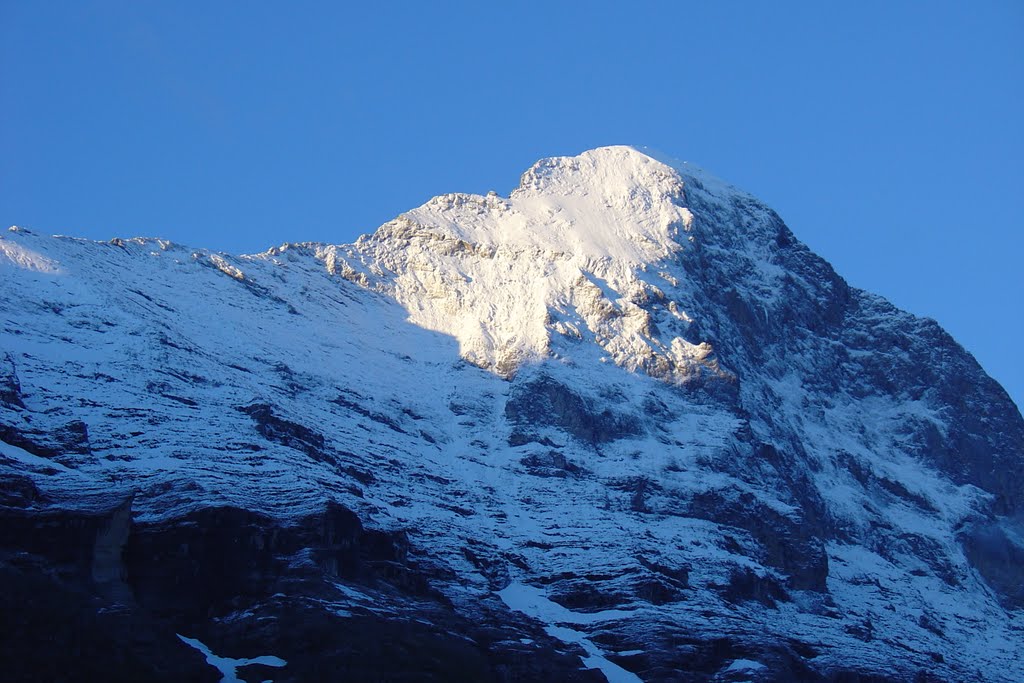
{"x":621,"y":424}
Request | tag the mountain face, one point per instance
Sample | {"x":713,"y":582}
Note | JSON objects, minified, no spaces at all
{"x":620,"y":425}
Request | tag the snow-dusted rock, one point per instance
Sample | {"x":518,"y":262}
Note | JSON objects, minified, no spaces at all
{"x":618,"y":424}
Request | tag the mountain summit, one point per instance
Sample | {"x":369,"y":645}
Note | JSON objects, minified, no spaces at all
{"x":565,"y":256}
{"x":619,"y":425}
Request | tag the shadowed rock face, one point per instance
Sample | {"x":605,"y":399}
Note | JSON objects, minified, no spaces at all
{"x":241,"y":583}
{"x":10,"y":387}
{"x":788,"y":543}
{"x":619,"y":424}
{"x":994,"y":548}
{"x":544,"y":402}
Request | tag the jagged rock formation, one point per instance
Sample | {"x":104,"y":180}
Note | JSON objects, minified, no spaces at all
{"x":620,"y":424}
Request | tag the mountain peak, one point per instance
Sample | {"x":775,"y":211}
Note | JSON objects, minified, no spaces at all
{"x":609,"y":203}
{"x":563,"y":259}
{"x":613,"y":170}
{"x":604,"y":247}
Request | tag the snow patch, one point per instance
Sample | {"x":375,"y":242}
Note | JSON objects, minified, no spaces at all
{"x":16,"y":255}
{"x":229,"y":666}
{"x":745,"y":665}
{"x":534,"y":603}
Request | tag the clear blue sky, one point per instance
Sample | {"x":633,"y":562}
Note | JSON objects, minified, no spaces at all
{"x":890,"y":136}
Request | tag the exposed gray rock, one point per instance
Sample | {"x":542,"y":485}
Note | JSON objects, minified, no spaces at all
{"x":544,"y":402}
{"x":994,"y":549}
{"x":10,"y":386}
